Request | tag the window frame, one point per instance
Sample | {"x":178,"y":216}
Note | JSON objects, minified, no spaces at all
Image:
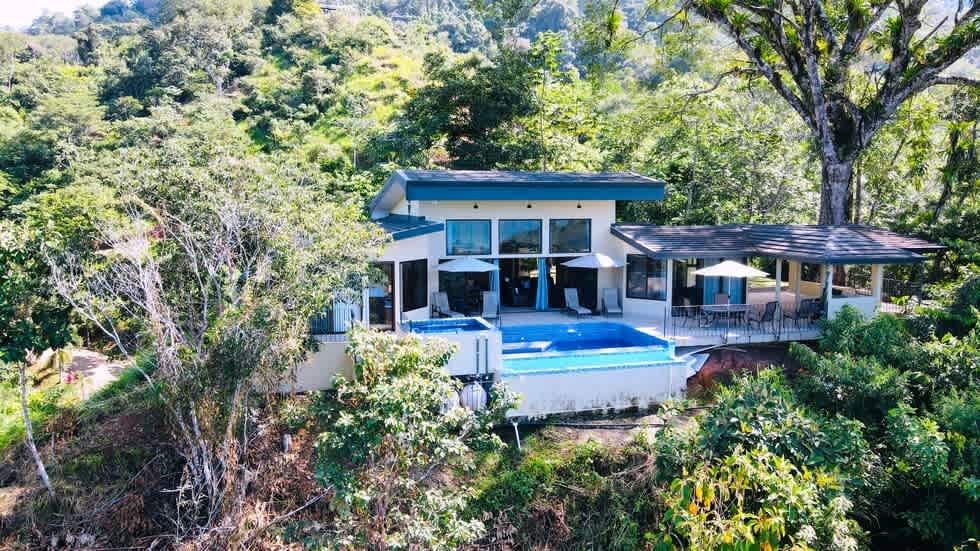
{"x":406,"y":289}
{"x":500,"y":240}
{"x":489,"y":224}
{"x":551,"y":234}
{"x":646,"y":273}
{"x":386,"y":267}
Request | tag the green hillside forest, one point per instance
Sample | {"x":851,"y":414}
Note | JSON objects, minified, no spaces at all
{"x":183,"y":184}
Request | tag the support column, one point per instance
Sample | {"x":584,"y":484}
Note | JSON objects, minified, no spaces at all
{"x":669,"y":295}
{"x":779,"y":282}
{"x":827,"y":286}
{"x":795,"y":275}
{"x":877,"y":278}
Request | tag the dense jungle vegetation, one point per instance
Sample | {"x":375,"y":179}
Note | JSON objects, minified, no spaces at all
{"x":183,"y":182}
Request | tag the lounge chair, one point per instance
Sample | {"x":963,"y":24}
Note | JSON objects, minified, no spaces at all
{"x":441,"y":302}
{"x":610,"y":303}
{"x":571,"y":303}
{"x":491,"y":310}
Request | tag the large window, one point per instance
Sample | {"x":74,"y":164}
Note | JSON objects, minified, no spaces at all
{"x":646,"y":277}
{"x":415,"y":284}
{"x":467,"y":237}
{"x":519,"y":236}
{"x":571,"y":235}
{"x":381,"y":313}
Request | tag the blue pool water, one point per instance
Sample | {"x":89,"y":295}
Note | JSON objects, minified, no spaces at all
{"x":449,"y":325}
{"x":578,"y":346}
{"x":566,"y":337}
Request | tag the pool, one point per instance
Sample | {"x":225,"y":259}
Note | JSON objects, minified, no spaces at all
{"x":449,"y":325}
{"x":587,"y":366}
{"x":569,"y":337}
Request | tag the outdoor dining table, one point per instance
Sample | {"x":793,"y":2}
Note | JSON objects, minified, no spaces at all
{"x":731,"y":311}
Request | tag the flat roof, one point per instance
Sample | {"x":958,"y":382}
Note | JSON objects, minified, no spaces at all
{"x":499,"y":185}
{"x":402,"y":226}
{"x":819,"y":243}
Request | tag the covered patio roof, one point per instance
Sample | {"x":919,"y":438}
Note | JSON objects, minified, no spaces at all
{"x":823,"y":244}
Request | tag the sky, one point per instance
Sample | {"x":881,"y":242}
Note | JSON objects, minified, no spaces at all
{"x":19,"y":13}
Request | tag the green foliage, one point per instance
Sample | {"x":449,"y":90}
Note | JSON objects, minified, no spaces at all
{"x":561,"y":494}
{"x":762,"y":412}
{"x":757,"y":500}
{"x":389,"y":434}
{"x":856,"y":387}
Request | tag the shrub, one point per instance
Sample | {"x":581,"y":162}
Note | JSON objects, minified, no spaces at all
{"x":858,"y":387}
{"x":388,"y":441}
{"x":761,"y":412}
{"x":757,"y":500}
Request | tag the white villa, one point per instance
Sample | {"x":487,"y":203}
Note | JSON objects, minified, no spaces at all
{"x":528,"y":224}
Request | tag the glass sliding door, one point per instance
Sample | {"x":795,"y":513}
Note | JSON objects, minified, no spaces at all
{"x":687,"y":287}
{"x":464,"y":289}
{"x":381,"y":297}
{"x":560,"y":277}
{"x":518,"y":282}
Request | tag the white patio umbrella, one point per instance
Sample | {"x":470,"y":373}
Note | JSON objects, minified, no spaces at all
{"x":594,"y":260}
{"x":730,"y":268}
{"x":467,"y":264}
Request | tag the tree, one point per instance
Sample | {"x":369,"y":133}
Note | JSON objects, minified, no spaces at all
{"x":812,"y":52}
{"x":844,"y":67}
{"x":391,"y":434}
{"x":214,"y":262}
{"x":31,"y":319}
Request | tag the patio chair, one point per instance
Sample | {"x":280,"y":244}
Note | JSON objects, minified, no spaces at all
{"x":803,"y":313}
{"x":722,"y":298}
{"x":610,"y":303}
{"x":768,"y":315}
{"x":571,"y":303}
{"x":491,"y":310}
{"x":441,"y":302}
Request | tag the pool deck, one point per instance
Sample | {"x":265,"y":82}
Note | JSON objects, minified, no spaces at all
{"x":680,"y":333}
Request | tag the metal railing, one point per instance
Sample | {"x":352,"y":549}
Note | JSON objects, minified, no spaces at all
{"x":733,"y":322}
{"x":334,"y":321}
{"x":899,"y":296}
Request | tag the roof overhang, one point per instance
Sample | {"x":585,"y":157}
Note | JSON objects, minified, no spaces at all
{"x":419,"y":185}
{"x":842,"y":244}
{"x":400,"y":226}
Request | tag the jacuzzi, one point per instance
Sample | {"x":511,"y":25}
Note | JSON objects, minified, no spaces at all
{"x":478,"y":342}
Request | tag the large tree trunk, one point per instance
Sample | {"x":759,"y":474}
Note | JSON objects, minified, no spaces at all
{"x":835,"y":191}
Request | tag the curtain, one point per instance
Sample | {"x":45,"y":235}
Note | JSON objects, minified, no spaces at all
{"x":712,"y":285}
{"x":495,"y":279}
{"x":737,"y":286}
{"x":541,"y":300}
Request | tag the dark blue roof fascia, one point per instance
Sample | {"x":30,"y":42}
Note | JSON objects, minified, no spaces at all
{"x":489,"y":185}
{"x":435,"y":191}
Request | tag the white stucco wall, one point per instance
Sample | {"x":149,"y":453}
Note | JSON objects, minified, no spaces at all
{"x":318,"y":371}
{"x":595,"y":389}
